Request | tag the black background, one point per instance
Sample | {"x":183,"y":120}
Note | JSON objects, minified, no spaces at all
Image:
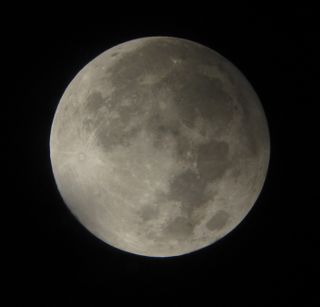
{"x":269,"y":260}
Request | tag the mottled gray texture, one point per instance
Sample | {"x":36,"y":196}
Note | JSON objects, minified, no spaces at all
{"x":159,"y":146}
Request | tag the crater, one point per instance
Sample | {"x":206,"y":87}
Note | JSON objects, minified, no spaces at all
{"x":213,"y":160}
{"x":188,"y":189}
{"x":227,"y":70}
{"x":88,"y":124}
{"x":81,"y":156}
{"x":113,"y":135}
{"x":161,"y":129}
{"x":254,"y":126}
{"x":148,"y":213}
{"x":218,"y":221}
{"x":152,"y":57}
{"x":94,"y":102}
{"x":179,"y":228}
{"x":119,"y":130}
{"x":196,"y":94}
{"x":185,"y":150}
{"x":93,"y":115}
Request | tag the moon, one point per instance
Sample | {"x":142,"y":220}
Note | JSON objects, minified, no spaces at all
{"x":159,"y":146}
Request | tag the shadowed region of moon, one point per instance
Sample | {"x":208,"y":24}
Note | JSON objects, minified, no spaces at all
{"x":159,"y":146}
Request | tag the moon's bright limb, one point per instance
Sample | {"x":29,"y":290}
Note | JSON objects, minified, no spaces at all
{"x":159,"y":146}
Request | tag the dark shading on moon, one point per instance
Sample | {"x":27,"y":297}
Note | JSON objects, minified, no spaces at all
{"x":159,"y":146}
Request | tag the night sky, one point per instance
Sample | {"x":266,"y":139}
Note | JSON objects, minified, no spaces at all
{"x":270,"y":259}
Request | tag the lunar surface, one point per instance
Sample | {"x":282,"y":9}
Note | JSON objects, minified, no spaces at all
{"x":159,"y":146}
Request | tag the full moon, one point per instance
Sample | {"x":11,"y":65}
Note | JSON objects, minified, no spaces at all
{"x":159,"y":146}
